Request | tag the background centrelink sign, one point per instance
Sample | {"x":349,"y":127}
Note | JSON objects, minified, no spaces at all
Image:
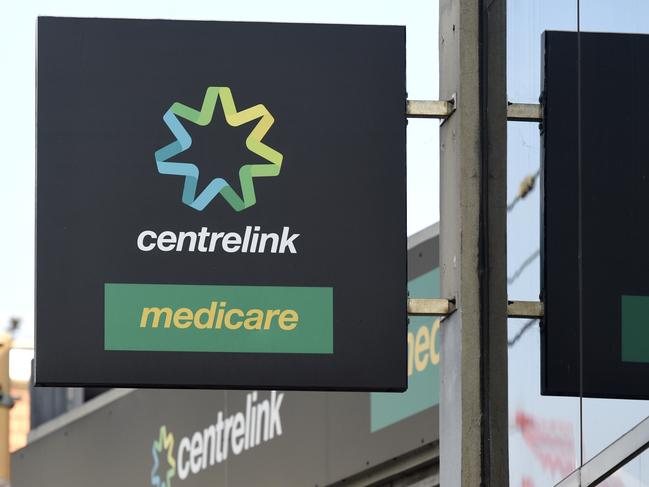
{"x":220,"y":204}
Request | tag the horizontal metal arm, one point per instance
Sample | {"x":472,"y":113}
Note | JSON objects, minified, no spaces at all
{"x":444,"y":307}
{"x":524,"y":112}
{"x":525,"y":309}
{"x":516,"y":112}
{"x":430,"y":307}
{"x":429,"y":108}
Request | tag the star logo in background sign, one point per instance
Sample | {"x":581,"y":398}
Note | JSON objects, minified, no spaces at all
{"x":190,"y":171}
{"x":164,"y":444}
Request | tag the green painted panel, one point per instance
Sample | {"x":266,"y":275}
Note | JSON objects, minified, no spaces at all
{"x":203,"y":318}
{"x":635,"y":328}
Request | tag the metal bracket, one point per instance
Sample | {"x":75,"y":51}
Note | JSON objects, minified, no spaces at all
{"x":524,"y":112}
{"x":430,"y":307}
{"x":516,"y":112}
{"x":525,"y":309}
{"x":430,"y":108}
{"x":444,"y":307}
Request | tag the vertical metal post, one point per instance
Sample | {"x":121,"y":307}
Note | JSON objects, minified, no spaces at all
{"x":473,"y":411}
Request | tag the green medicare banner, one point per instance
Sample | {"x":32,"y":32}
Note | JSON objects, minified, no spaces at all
{"x":203,"y":318}
{"x":423,"y":363}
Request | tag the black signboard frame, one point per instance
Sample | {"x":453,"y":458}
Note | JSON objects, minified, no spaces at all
{"x":336,"y":98}
{"x":595,"y":190}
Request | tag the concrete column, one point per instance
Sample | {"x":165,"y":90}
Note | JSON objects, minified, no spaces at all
{"x":473,"y":410}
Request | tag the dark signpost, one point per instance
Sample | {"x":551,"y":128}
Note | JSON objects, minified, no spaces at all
{"x":220,"y":204}
{"x":595,"y":237}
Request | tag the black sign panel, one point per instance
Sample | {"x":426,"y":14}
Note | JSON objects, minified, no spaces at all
{"x":594,"y":237}
{"x":220,"y":204}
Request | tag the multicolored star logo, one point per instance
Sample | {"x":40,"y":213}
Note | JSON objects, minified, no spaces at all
{"x":190,"y":171}
{"x":164,"y":443}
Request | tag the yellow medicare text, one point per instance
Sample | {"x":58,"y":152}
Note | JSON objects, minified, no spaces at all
{"x":218,"y":315}
{"x":422,"y":348}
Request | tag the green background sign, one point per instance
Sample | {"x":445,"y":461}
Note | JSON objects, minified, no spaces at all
{"x":635,"y":328}
{"x":175,"y":317}
{"x":423,"y":363}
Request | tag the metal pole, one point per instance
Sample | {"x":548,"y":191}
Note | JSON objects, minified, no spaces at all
{"x":473,"y":409}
